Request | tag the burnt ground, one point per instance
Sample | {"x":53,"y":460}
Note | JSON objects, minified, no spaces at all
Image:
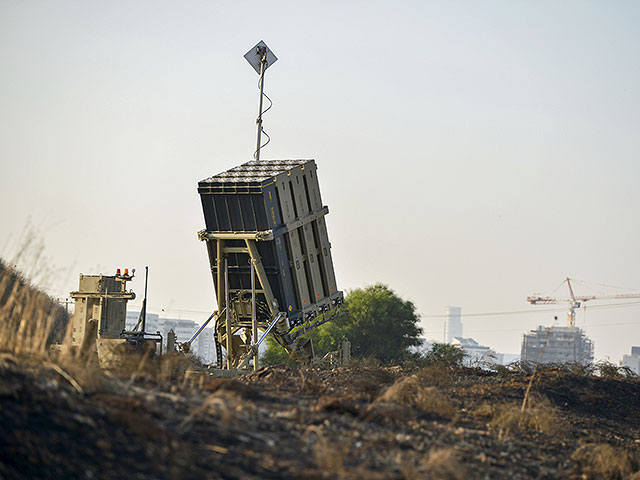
{"x":369,"y":423}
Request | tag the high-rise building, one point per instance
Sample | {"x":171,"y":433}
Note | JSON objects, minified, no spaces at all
{"x":557,"y":345}
{"x":206,"y":348}
{"x":632,"y":361}
{"x":453,"y":324}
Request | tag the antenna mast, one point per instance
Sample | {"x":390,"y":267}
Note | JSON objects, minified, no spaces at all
{"x":260,"y":58}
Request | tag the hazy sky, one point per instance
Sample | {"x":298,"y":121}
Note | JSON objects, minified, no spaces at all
{"x":471,"y":153}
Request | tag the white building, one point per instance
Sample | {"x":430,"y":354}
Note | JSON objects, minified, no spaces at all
{"x":203,"y":347}
{"x":508,"y":358}
{"x":557,"y":345}
{"x":152,"y":322}
{"x":182,"y":328}
{"x":475,"y":354}
{"x":206,"y":348}
{"x":453,"y":324}
{"x":632,"y":361}
{"x":423,"y":349}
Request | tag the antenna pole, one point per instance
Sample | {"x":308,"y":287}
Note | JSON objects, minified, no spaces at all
{"x":144,"y":302}
{"x":262,"y":51}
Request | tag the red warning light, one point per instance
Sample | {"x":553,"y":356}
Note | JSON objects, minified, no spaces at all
{"x":118,"y":272}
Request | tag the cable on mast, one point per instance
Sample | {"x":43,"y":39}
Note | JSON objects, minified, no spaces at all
{"x":260,"y":58}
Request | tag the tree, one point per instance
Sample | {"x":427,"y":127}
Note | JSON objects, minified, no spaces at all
{"x":275,"y":354}
{"x":378,"y":324}
{"x":446,"y":354}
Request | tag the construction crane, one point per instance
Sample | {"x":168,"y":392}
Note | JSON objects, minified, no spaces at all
{"x":576,"y":301}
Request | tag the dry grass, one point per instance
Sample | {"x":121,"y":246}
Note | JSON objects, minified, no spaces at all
{"x":31,"y":321}
{"x":411,"y":392}
{"x":435,"y":375}
{"x":329,"y":456}
{"x":85,"y":372}
{"x":388,"y":412}
{"x":613,"y":372}
{"x":310,"y":382}
{"x":337,"y":403}
{"x":539,"y":416}
{"x":228,"y":397}
{"x":602,"y":461}
{"x":365,"y":362}
{"x":485,"y":410}
{"x":219,"y":405}
{"x":439,"y":464}
{"x":28,"y":322}
{"x":28,"y":316}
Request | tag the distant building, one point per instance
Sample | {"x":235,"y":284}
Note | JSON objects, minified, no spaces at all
{"x":422,"y":349}
{"x":206,"y":348}
{"x":475,"y":354}
{"x":508,"y":358}
{"x":203,"y":347}
{"x":557,"y":345}
{"x":453,"y":324}
{"x":632,"y":361}
{"x":152,"y":323}
{"x":182,"y":328}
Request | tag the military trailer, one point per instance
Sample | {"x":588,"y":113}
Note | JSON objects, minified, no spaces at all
{"x":98,"y":323}
{"x":265,"y":219}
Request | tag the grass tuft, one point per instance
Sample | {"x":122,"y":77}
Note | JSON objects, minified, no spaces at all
{"x":441,"y":464}
{"x":365,"y":362}
{"x":539,"y":416}
{"x":435,"y":375}
{"x":602,"y":461}
{"x":411,"y":392}
{"x":29,"y":318}
{"x":310,"y":383}
{"x":485,"y":410}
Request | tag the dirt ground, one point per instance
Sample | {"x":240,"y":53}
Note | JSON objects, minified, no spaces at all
{"x":279,"y":422}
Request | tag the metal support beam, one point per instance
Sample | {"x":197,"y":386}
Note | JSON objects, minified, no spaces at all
{"x":220,"y":261}
{"x":256,"y":346}
{"x":265,"y":235}
{"x":310,"y":217}
{"x":227,"y":317}
{"x":244,"y":290}
{"x":262,"y":276}
{"x":202,"y":327}
{"x":235,"y":250}
{"x":254,"y":318}
{"x":106,"y":294}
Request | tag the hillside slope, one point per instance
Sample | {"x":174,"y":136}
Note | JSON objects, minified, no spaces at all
{"x":302,"y":423}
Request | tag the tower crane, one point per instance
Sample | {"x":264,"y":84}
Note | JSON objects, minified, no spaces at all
{"x":575,"y":301}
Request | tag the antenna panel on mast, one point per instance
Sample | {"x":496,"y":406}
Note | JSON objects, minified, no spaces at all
{"x":254,"y":56}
